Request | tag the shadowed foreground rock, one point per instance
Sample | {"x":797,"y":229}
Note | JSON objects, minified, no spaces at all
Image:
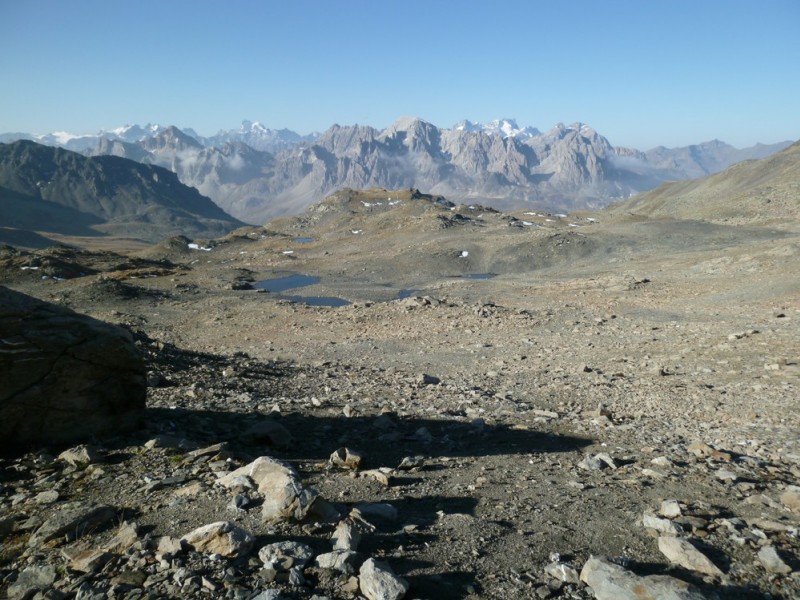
{"x":64,"y":376}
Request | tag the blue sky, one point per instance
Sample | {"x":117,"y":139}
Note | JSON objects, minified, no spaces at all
{"x":642,"y":73}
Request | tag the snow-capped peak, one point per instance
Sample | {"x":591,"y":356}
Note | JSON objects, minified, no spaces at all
{"x":502,"y":127}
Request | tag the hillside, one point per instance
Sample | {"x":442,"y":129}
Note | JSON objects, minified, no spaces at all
{"x":757,"y":191}
{"x":48,"y":189}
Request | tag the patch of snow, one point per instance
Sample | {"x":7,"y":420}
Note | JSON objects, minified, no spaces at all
{"x":194,"y":246}
{"x":30,"y":268}
{"x":464,"y":254}
{"x":288,"y":252}
{"x":356,"y":231}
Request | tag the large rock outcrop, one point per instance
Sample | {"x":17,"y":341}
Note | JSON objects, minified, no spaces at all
{"x":64,"y":376}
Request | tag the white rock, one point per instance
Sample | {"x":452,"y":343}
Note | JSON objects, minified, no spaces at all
{"x":286,"y":555}
{"x":223,"y":538}
{"x":285,"y":497}
{"x":343,"y":561}
{"x":346,"y":537}
{"x":661,"y":525}
{"x":610,"y":581}
{"x":80,"y":455}
{"x":670,"y":509}
{"x":681,"y":552}
{"x":562,"y":572}
{"x":772,"y":562}
{"x":377,"y":581}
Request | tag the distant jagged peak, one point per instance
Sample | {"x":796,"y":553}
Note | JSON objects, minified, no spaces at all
{"x":408,"y":124}
{"x":171,"y":137}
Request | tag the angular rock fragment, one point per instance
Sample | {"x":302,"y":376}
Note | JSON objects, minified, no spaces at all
{"x":383,"y":475}
{"x":70,"y":523}
{"x":670,"y":509}
{"x":88,"y":560}
{"x":601,"y":460}
{"x":562,"y":572}
{"x":410,"y":463}
{"x":346,"y":536}
{"x":285,"y":497}
{"x":610,"y":581}
{"x":681,"y":552}
{"x":378,"y":581}
{"x":661,"y":525}
{"x":81,"y":455}
{"x":167,"y":547}
{"x":342,"y":561}
{"x":223,"y":538}
{"x":772,"y":562}
{"x":286,"y":555}
{"x":791,"y":498}
{"x":127,"y":535}
{"x":35,"y":578}
{"x":345,"y":458}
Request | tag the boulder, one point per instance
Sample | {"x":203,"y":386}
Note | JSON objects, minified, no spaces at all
{"x":681,"y":552}
{"x":223,"y":538}
{"x":610,"y":581}
{"x":285,"y":497}
{"x":71,"y":522}
{"x":64,"y":377}
{"x":378,"y":581}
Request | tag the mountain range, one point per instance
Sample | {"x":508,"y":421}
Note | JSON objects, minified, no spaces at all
{"x":256,"y":173}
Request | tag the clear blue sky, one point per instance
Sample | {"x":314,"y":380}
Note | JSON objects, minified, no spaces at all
{"x":641,"y":72}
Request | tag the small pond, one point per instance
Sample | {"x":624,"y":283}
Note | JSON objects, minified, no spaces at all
{"x":288,"y":282}
{"x":303,"y":240}
{"x":332,"y":301}
{"x":297,"y":280}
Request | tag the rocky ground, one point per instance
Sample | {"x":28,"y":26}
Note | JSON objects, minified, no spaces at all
{"x":614,"y":412}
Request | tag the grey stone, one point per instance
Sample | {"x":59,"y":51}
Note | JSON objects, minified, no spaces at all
{"x":610,"y":581}
{"x":670,"y":509}
{"x":378,"y":581}
{"x":661,"y":525}
{"x":81,"y":455}
{"x":791,"y":498}
{"x":681,"y":552}
{"x":88,"y":560}
{"x":223,"y":538}
{"x":268,"y":595}
{"x":562,"y":572}
{"x":286,"y":555}
{"x":64,"y":376}
{"x":346,"y":536}
{"x":46,"y":497}
{"x":32,"y":579}
{"x":70,"y":523}
{"x":343,"y":561}
{"x":346,"y":458}
{"x":127,"y":535}
{"x":285,"y":497}
{"x":772,"y":562}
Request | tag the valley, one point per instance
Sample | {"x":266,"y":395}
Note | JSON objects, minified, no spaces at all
{"x":504,"y":396}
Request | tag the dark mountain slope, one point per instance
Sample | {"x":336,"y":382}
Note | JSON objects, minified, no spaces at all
{"x":754,"y":191}
{"x":51,"y":189}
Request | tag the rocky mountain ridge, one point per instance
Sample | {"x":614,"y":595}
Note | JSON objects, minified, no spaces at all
{"x":255,"y":173}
